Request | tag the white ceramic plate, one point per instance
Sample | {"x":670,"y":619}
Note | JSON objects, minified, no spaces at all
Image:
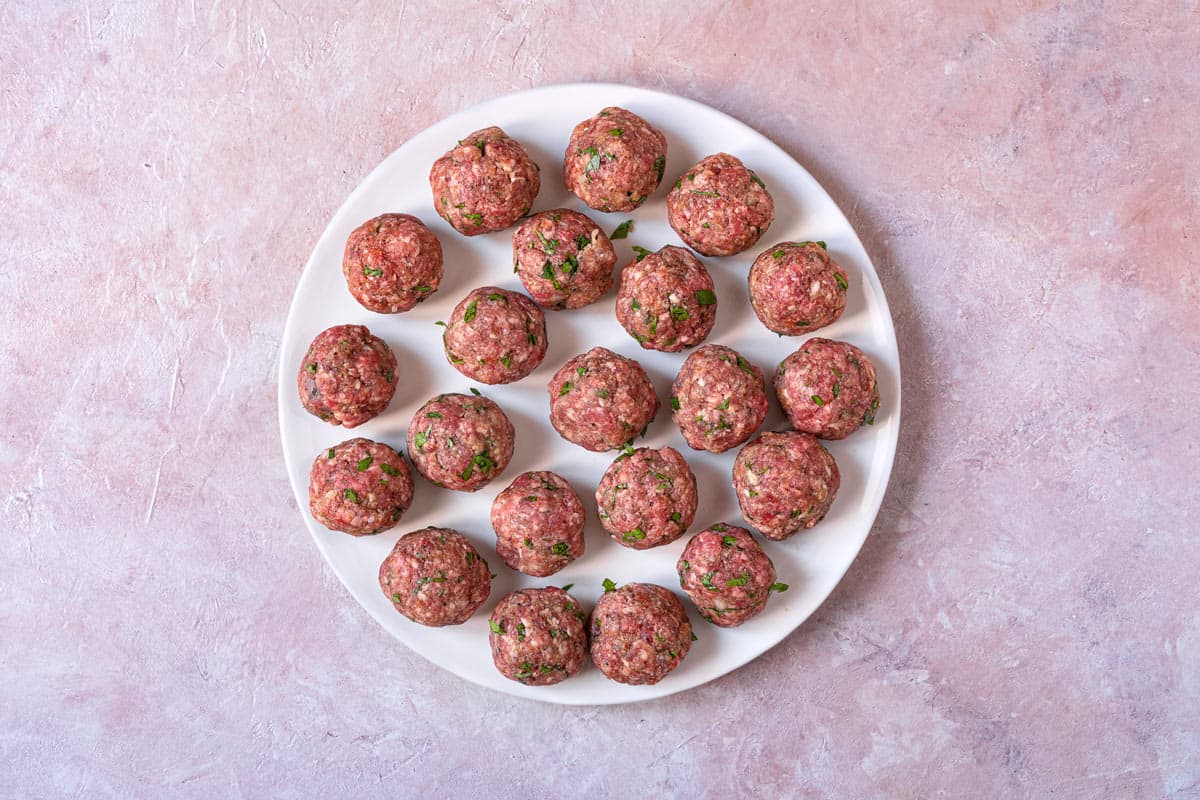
{"x":542,"y":120}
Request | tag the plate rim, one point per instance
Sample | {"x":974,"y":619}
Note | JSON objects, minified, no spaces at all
{"x":871,"y":504}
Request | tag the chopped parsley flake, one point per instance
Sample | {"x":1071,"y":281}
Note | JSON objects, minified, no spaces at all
{"x":608,"y":586}
{"x":365,"y":464}
{"x":778,"y":587}
{"x":641,"y":252}
{"x":351,"y":495}
{"x":469,"y":314}
{"x":496,"y":627}
{"x":705,"y":297}
{"x":622,"y":230}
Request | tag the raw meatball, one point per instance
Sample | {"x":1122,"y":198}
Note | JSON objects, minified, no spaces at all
{"x":795,"y":287}
{"x":347,"y":376}
{"x":727,"y":575}
{"x":436,"y":577}
{"x":538,"y":636}
{"x":666,"y":300}
{"x":785,"y":482}
{"x":460,"y":441}
{"x":359,"y":487}
{"x":563,"y":259}
{"x":601,"y":401}
{"x":647,"y":498}
{"x":719,"y":207}
{"x":485,"y":183}
{"x":719,"y":399}
{"x":495,"y":336}
{"x":392,"y":263}
{"x":538,"y":521}
{"x":614,"y":160}
{"x":828,"y":388}
{"x":640,"y":633}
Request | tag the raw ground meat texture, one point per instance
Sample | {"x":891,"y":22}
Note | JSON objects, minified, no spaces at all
{"x":601,"y":400}
{"x":538,"y":636}
{"x":436,"y":577}
{"x":639,"y":633}
{"x":392,"y":262}
{"x":484,"y":183}
{"x":563,"y":259}
{"x":647,"y":498}
{"x":495,"y":336}
{"x":718,"y":399}
{"x":460,"y":441}
{"x":666,"y":300}
{"x":359,"y":487}
{"x":538,"y":520}
{"x":785,"y":483}
{"x":828,"y":388}
{"x":614,"y":160}
{"x":719,"y":207}
{"x":727,"y":575}
{"x":347,"y":376}
{"x":795,"y":288}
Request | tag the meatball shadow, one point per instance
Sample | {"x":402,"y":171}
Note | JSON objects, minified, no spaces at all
{"x":532,"y":448}
{"x":713,"y":483}
{"x":679,"y":155}
{"x":414,"y":384}
{"x":733,"y":297}
{"x":552,"y":192}
{"x":463,"y":269}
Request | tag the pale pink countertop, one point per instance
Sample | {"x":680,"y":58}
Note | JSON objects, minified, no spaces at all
{"x":1023,"y":620}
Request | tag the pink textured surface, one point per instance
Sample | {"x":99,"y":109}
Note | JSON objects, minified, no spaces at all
{"x":1023,"y":620}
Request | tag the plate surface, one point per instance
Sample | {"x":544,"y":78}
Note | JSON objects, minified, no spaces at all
{"x":542,"y":119}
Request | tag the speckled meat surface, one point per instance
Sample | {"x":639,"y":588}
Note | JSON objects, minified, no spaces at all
{"x":785,"y":483}
{"x":719,"y":207}
{"x":538,"y":636}
{"x":359,"y":487}
{"x":718,"y":399}
{"x":727,"y":575}
{"x":828,"y":388}
{"x":538,"y":520}
{"x":436,"y":577}
{"x":495,"y":336}
{"x":347,"y":376}
{"x":614,"y":160}
{"x":392,"y":262}
{"x":666,"y":300}
{"x":460,"y":441}
{"x":563,"y":259}
{"x":484,"y":183}
{"x":601,"y":400}
{"x":647,"y":498}
{"x":795,"y":288}
{"x":639,"y":633}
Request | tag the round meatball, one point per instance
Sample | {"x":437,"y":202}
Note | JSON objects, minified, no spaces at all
{"x":647,"y":498}
{"x":615,"y":160}
{"x":347,"y":376}
{"x":460,"y":441}
{"x":538,"y":521}
{"x":600,"y":400}
{"x":359,"y":487}
{"x":785,"y":482}
{"x":436,"y":577}
{"x":640,"y":633}
{"x":495,"y":336}
{"x":392,"y":262}
{"x":828,"y":388}
{"x":538,"y":636}
{"x":795,"y":287}
{"x":727,"y":575}
{"x":563,"y":259}
{"x":666,"y":300}
{"x":719,"y":399}
{"x":485,"y":183}
{"x":719,"y":207}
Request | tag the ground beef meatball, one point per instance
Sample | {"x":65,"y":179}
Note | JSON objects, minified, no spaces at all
{"x":727,"y":575}
{"x":795,"y":287}
{"x":601,"y":401}
{"x":392,"y":263}
{"x":828,"y":388}
{"x":435,"y":576}
{"x":719,"y":207}
{"x":538,"y":521}
{"x":719,"y":399}
{"x":347,"y":376}
{"x":785,"y":483}
{"x":485,"y":183}
{"x":614,"y":160}
{"x":563,"y":259}
{"x":647,"y":498}
{"x":640,"y":633}
{"x":495,"y":336}
{"x":538,"y":636}
{"x":666,"y":300}
{"x":460,"y":441}
{"x":359,"y":487}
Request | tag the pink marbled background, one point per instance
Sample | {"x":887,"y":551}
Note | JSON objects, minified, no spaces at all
{"x":1023,"y":621}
